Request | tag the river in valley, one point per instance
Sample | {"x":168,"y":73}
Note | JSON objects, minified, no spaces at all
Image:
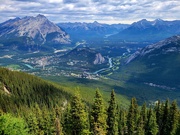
{"x":110,"y":66}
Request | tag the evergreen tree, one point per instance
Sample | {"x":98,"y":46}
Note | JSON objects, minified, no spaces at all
{"x":78,"y":117}
{"x":46,"y":122}
{"x":67,"y":121}
{"x":132,"y":117}
{"x":143,"y":114}
{"x":159,"y":114}
{"x":165,"y":117}
{"x":112,"y":122}
{"x":98,"y":116}
{"x":140,"y":126}
{"x":178,"y":124}
{"x":58,"y":117}
{"x":173,"y":119}
{"x":32,"y":123}
{"x":122,"y":127}
{"x":39,"y":117}
{"x":151,"y":126}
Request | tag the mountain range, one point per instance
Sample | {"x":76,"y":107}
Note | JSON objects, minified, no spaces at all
{"x":36,"y":33}
{"x":148,"y":31}
{"x":31,"y":33}
{"x":90,"y":31}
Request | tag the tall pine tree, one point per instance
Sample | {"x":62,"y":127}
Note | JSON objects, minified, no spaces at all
{"x":151,"y":125}
{"x":78,"y":117}
{"x":165,"y":124}
{"x":140,"y":126}
{"x":132,"y":117}
{"x":122,"y":126}
{"x":98,"y":116}
{"x":173,"y":119}
{"x":158,"y":109}
{"x":112,"y":112}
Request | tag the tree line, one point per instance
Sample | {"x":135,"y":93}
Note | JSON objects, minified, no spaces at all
{"x":78,"y":118}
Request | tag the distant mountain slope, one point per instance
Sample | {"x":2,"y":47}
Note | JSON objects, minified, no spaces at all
{"x":161,"y":62}
{"x":164,"y":47}
{"x":152,"y":73}
{"x":85,"y":58}
{"x":85,"y":54}
{"x":31,"y":32}
{"x":87,"y":31}
{"x":148,"y":31}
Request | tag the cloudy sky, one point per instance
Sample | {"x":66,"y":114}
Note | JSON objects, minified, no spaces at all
{"x":104,"y":11}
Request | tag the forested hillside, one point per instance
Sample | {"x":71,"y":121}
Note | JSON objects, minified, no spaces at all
{"x":30,"y":105}
{"x":19,"y":89}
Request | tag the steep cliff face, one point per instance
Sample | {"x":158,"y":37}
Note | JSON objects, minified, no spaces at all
{"x":99,"y":59}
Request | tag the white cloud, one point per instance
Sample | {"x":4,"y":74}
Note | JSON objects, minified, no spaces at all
{"x":55,"y":1}
{"x":90,"y":10}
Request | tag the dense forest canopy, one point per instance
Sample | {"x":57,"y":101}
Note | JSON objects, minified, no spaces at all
{"x":30,"y":105}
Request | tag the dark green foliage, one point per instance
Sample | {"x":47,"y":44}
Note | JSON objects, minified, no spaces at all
{"x":78,"y":117}
{"x":140,"y":126}
{"x":67,"y":120}
{"x":178,"y":124}
{"x":159,"y":113}
{"x":165,"y":116}
{"x":112,"y":113}
{"x":21,"y":89}
{"x":173,"y":119}
{"x":151,"y":125}
{"x":132,"y":117}
{"x":98,"y":116}
{"x":143,"y":114}
{"x":122,"y":126}
{"x":38,"y":107}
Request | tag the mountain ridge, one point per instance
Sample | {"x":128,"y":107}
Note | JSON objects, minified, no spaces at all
{"x":148,"y":31}
{"x":29,"y":31}
{"x":164,"y":43}
{"x":91,"y":31}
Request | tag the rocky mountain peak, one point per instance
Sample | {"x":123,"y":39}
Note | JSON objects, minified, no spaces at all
{"x":41,"y":16}
{"x":142,"y":24}
{"x":95,"y":22}
{"x":39,"y":29}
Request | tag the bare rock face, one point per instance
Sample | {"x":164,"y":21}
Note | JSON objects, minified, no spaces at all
{"x":99,"y":59}
{"x":38,"y":31}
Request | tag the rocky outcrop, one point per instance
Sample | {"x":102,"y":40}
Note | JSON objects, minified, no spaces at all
{"x":99,"y":59}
